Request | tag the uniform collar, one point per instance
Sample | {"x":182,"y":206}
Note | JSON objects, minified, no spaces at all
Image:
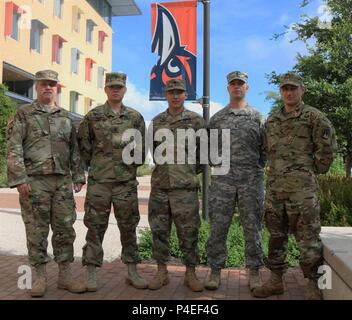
{"x":108,"y":111}
{"x":244,"y":110}
{"x":290,"y":115}
{"x":45,"y":108}
{"x":166,"y":116}
{"x":181,"y":114}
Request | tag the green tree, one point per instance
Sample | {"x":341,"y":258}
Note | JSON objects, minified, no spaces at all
{"x":275,"y":99}
{"x":327,"y":69}
{"x":7,"y":110}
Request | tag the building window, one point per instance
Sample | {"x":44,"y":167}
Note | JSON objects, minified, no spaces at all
{"x":57,"y":48}
{"x":90,"y":28}
{"x":103,"y":7}
{"x":88,"y":103}
{"x":101,"y":72}
{"x":12,"y":17}
{"x":15,"y":22}
{"x":58,"y":5}
{"x":59,"y":94}
{"x":76,"y":18}
{"x":89,"y":67}
{"x":74,"y":96}
{"x":18,"y":82}
{"x":37,"y":29}
{"x":101,"y":40}
{"x":75,"y":57}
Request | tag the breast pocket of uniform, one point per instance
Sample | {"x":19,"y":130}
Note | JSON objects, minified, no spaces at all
{"x":36,"y":133}
{"x":100,"y":131}
{"x":64,"y":135}
{"x":302,"y":130}
{"x":251,"y":129}
{"x":182,"y":125}
{"x":37,"y":127}
{"x":63,"y":128}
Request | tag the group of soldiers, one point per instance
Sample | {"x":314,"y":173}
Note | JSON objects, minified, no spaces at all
{"x":46,"y":158}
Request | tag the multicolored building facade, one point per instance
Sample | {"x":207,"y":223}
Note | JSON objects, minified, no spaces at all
{"x":72,"y":37}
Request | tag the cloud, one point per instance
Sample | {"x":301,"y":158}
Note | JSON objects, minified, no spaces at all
{"x":283,"y":19}
{"x":290,"y":48}
{"x":258,"y":48}
{"x":325,"y":16}
{"x":197,"y":107}
{"x":139,"y":100}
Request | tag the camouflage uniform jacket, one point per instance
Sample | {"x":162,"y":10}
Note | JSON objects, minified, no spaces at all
{"x":299,"y":144}
{"x":246,"y":137}
{"x":101,"y":145}
{"x":177,"y":176}
{"x":41,"y":140}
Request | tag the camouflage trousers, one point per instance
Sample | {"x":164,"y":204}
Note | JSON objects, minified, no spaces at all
{"x":51,"y":203}
{"x":182,"y":208}
{"x":297,"y":213}
{"x":224,"y":194}
{"x":123,"y":197}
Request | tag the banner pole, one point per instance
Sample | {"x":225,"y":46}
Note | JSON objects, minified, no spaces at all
{"x":206,"y":101}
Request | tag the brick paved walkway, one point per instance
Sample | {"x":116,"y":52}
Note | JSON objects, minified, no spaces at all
{"x":111,"y":284}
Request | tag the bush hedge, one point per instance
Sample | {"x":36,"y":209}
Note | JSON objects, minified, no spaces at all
{"x":335,"y":194}
{"x":235,"y":245}
{"x":7,"y":110}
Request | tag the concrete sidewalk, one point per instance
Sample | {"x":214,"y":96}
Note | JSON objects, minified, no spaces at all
{"x":12,"y":232}
{"x":13,"y":236}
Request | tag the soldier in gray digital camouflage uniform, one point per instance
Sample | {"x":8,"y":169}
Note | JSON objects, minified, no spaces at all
{"x":111,"y":180}
{"x":43,"y":161}
{"x":241,"y":186}
{"x":174,"y":196}
{"x":300,"y":143}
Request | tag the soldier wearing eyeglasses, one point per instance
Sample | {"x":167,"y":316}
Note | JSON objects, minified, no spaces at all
{"x":44,"y":165}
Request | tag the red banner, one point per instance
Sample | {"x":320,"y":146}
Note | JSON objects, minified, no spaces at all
{"x":174,"y":40}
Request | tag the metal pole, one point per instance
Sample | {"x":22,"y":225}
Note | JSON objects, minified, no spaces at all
{"x":206,"y":100}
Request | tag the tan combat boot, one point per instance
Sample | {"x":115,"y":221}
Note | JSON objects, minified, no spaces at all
{"x":134,"y":279}
{"x":213,"y":280}
{"x":160,"y":279}
{"x":254,"y":279}
{"x":273,"y":286}
{"x":191,"y":280}
{"x":66,"y":280}
{"x":313,"y":292}
{"x":91,"y":278}
{"x":39,"y":285}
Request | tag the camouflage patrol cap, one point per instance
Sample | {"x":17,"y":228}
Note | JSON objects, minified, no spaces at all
{"x":50,"y":75}
{"x":291,"y":79}
{"x":175,"y":84}
{"x":115,"y":79}
{"x":237,"y":75}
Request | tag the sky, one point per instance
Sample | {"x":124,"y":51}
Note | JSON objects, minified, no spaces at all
{"x":241,"y":34}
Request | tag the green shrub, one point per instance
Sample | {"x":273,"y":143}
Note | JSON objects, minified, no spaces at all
{"x":235,"y":245}
{"x":144,"y":170}
{"x":336,"y":210}
{"x":337,"y":168}
{"x":335,"y":194}
{"x":7,"y":110}
{"x":145,"y":244}
{"x":3,"y":175}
